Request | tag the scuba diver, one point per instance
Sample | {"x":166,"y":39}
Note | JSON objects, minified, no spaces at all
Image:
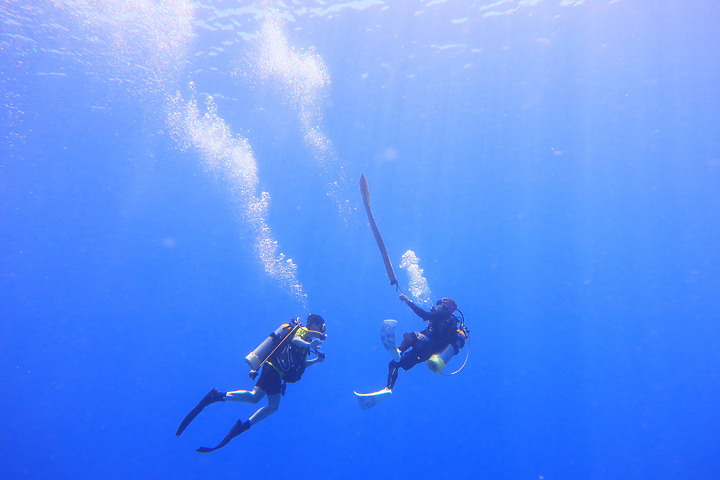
{"x":443,"y":338}
{"x":440,"y":333}
{"x":283,"y":358}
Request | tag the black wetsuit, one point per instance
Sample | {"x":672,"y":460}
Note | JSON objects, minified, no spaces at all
{"x":417,"y":347}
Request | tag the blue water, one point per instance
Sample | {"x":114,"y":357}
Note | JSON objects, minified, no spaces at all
{"x":555,"y":166}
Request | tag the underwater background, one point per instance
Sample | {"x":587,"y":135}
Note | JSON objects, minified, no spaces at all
{"x":178,"y":178}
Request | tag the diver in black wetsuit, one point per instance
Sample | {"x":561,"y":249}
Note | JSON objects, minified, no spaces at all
{"x":417,"y":347}
{"x":287,"y":365}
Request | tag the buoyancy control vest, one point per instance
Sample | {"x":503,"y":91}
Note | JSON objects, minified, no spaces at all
{"x":273,"y":345}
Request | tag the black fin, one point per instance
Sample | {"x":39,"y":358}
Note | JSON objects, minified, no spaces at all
{"x":236,"y":430}
{"x":212,"y":396}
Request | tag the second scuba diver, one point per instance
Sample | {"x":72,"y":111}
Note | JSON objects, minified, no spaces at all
{"x":417,"y":347}
{"x":285,"y":364}
{"x":442,"y":338}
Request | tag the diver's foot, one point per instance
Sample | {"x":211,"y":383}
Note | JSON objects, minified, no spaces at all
{"x":213,"y":396}
{"x":369,"y":400}
{"x":236,"y":430}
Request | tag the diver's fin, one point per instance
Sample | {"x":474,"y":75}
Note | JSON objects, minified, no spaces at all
{"x":387,"y":337}
{"x":236,"y":430}
{"x":212,"y":396}
{"x":369,"y":400}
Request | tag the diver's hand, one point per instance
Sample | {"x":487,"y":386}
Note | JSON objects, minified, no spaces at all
{"x":315,"y":342}
{"x":404,"y":298}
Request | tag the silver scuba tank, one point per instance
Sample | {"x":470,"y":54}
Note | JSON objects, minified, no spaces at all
{"x":258,"y":356}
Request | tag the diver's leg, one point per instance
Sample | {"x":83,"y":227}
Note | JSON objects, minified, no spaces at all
{"x":243,"y":426}
{"x":409,"y":340}
{"x":264,"y":412}
{"x":393,"y":367}
{"x":246,"y":396}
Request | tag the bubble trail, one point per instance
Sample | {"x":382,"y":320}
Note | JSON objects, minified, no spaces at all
{"x":418,"y":285}
{"x":233,"y":159}
{"x":304,"y":79}
{"x":148,"y":42}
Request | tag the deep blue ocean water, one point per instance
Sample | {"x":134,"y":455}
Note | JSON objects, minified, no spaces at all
{"x":554,"y":164}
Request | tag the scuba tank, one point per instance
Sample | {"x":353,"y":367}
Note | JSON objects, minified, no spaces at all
{"x":275,"y":340}
{"x":436,"y":363}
